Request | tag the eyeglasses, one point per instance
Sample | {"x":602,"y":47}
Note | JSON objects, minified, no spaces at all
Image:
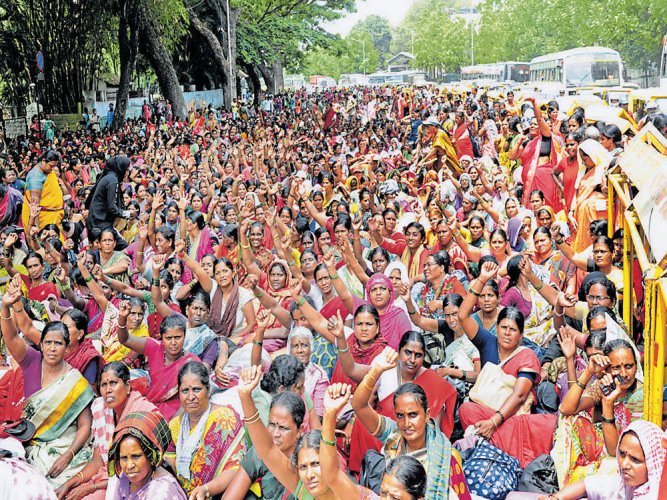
{"x":600,"y":252}
{"x":596,"y":298}
{"x":272,"y":426}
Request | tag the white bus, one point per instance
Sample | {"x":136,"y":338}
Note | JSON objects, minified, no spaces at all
{"x":409,"y":77}
{"x":351,"y":79}
{"x":502,"y":72}
{"x":580,"y":67}
{"x":294,"y":82}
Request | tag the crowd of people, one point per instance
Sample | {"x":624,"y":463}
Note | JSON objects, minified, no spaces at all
{"x":374,"y":292}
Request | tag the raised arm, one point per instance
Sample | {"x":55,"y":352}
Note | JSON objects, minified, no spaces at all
{"x":355,"y":371}
{"x":562,"y":303}
{"x":246,"y":254}
{"x":320,"y":217}
{"x":137,"y":344}
{"x":335,"y":398}
{"x":339,"y":285}
{"x":575,"y":401}
{"x":351,"y":261}
{"x":15,"y":344}
{"x":385,"y":361}
{"x":269,"y":303}
{"x":279,"y":465}
{"x":426,"y":324}
{"x":488,"y":271}
{"x":156,"y":293}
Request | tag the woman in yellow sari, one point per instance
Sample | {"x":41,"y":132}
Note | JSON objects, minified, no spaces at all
{"x":590,"y":203}
{"x":42,"y":189}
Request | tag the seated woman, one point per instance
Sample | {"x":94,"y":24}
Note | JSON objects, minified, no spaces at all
{"x":165,"y":358}
{"x":461,"y":360}
{"x":114,"y":263}
{"x":428,"y":297}
{"x":57,"y":396}
{"x":410,"y":368}
{"x":413,"y":432}
{"x":404,"y":477}
{"x":208,"y":440}
{"x":539,"y":324}
{"x":285,"y":418}
{"x":117,"y":400}
{"x":135,"y":459}
{"x":522,"y":436}
{"x":640,"y":457}
{"x":300,"y":474}
{"x":300,"y":345}
{"x":394,"y":321}
{"x":615,"y":410}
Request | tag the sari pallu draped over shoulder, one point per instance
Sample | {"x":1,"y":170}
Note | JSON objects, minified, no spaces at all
{"x":535,"y":176}
{"x":54,"y":411}
{"x":443,"y":469}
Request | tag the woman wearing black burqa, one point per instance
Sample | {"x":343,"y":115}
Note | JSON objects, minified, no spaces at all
{"x":105,"y":202}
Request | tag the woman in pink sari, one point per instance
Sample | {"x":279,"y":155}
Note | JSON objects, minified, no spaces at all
{"x":197,"y":240}
{"x":539,"y":154}
{"x":165,"y":358}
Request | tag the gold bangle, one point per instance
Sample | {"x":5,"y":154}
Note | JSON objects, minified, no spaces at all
{"x":70,"y":450}
{"x":244,"y":246}
{"x":252,"y":417}
{"x":80,"y":476}
{"x":377,"y":429}
{"x":10,"y":316}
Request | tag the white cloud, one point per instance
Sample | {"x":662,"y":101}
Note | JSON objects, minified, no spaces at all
{"x":392,"y":10}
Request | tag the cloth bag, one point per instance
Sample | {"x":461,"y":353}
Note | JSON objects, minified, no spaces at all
{"x":539,"y":476}
{"x":493,"y":386}
{"x":490,"y":472}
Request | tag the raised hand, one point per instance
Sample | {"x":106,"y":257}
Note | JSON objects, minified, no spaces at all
{"x":555,"y":232}
{"x":566,"y":336}
{"x":11,"y":240}
{"x":251,"y":280}
{"x":143,"y":231}
{"x":158,"y":262}
{"x":13,"y":292}
{"x":158,"y":200}
{"x":97,"y":272}
{"x":123,"y":312}
{"x":330,"y":259}
{"x":609,"y":399}
{"x":81,"y":260}
{"x":488,"y":271}
{"x":249,"y":379}
{"x":179,"y":247}
{"x":336,"y":326}
{"x":295,"y":289}
{"x":336,"y":397}
{"x":386,"y":360}
{"x":597,"y":363}
{"x":566,"y":300}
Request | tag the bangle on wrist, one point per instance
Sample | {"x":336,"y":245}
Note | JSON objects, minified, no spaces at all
{"x":259,"y":293}
{"x":155,"y":282}
{"x":327,"y":442}
{"x":244,"y":246}
{"x":122,"y":326}
{"x":334,"y":276}
{"x":464,"y":375}
{"x":475,"y":292}
{"x":606,"y":420}
{"x":502,"y":417}
{"x":578,"y":382}
{"x":260,"y":343}
{"x":300,"y":301}
{"x":347,"y":348}
{"x":539,"y":286}
{"x":88,"y":278}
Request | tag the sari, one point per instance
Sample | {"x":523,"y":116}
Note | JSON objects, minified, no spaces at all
{"x":423,"y":293}
{"x":10,"y":205}
{"x":441,"y":398}
{"x":103,"y":427}
{"x":535,"y":176}
{"x":526,"y":436}
{"x":112,"y":349}
{"x":117,"y":256}
{"x":363,"y":356}
{"x":51,"y":201}
{"x":222,"y":447}
{"x":579,"y":449}
{"x":83,"y":356}
{"x":199,"y":339}
{"x":394,"y":321}
{"x":264,"y":317}
{"x":560,"y":269}
{"x":442,"y":462}
{"x":589,"y":203}
{"x":54,"y":411}
{"x":154,"y":321}
{"x":414,"y":262}
{"x":463,"y":144}
{"x":163,"y":389}
{"x":325,"y":354}
{"x":201,"y":246}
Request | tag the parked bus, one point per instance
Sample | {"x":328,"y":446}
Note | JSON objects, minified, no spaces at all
{"x":348,"y":80}
{"x":580,"y":67}
{"x":322,"y":82}
{"x":502,"y":72}
{"x":409,"y":77}
{"x":294,"y":82}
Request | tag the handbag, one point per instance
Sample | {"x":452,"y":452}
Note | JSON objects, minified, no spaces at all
{"x":493,"y":386}
{"x":490,"y":472}
{"x":539,"y":476}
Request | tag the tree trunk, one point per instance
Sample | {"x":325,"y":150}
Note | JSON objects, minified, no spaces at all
{"x":160,"y":60}
{"x":128,"y":45}
{"x":230,"y":82}
{"x":256,"y":83}
{"x":269,"y":78}
{"x":219,"y":55}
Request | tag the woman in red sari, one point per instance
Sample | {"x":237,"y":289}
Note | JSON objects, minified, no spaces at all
{"x":165,"y":358}
{"x":510,"y":427}
{"x":441,"y":395}
{"x":39,"y":289}
{"x":461,"y":138}
{"x":539,"y":154}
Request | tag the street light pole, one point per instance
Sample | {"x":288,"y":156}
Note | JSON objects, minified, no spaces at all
{"x":363,"y":52}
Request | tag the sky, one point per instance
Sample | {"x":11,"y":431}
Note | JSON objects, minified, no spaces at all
{"x":393,"y":10}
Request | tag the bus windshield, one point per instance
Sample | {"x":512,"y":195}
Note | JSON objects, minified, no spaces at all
{"x":592,"y":70}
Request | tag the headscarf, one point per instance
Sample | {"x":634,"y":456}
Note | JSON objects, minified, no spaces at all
{"x":600,"y":156}
{"x":397,"y":264}
{"x":150,"y":428}
{"x":650,"y":437}
{"x":394,"y":322}
{"x":117,"y":165}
